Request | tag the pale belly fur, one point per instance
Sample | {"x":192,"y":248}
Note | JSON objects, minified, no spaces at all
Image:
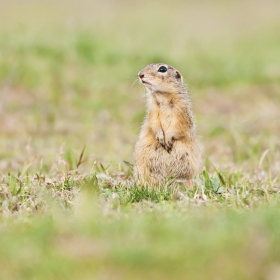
{"x":154,"y":164}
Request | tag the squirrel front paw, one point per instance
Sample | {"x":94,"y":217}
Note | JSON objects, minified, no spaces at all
{"x":160,"y":139}
{"x":169,"y":144}
{"x":165,"y":142}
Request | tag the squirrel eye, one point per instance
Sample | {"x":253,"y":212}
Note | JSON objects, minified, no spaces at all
{"x":162,"y":69}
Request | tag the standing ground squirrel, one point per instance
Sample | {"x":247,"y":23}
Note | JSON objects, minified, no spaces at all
{"x":167,"y":150}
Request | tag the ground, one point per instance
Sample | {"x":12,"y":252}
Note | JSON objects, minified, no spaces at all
{"x":70,"y":110}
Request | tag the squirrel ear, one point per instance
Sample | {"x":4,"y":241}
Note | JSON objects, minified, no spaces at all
{"x":179,"y":76}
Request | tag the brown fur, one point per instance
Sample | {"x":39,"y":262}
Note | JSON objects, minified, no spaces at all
{"x":167,"y":149}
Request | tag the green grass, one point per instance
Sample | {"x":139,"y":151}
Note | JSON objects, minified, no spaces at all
{"x":69,"y":113}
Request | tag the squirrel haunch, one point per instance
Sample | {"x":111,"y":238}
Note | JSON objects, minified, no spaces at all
{"x":167,"y":150}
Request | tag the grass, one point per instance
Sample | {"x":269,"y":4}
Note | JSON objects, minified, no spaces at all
{"x":69,"y":113}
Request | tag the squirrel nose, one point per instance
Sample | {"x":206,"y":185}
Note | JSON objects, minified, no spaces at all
{"x":141,"y":75}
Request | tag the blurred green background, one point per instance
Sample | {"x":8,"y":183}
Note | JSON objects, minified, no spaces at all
{"x":67,"y":73}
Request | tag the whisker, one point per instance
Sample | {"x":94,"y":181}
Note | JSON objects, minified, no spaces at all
{"x":135,"y":81}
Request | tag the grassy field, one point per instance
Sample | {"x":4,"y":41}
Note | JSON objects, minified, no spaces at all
{"x":69,"y":110}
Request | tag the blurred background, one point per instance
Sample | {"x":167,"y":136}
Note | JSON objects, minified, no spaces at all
{"x":67,"y":72}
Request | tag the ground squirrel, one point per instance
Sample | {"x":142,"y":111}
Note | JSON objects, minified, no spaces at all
{"x":167,"y":150}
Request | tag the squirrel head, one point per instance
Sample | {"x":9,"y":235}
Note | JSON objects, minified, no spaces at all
{"x":161,"y":78}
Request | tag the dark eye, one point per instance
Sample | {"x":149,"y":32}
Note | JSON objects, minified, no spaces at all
{"x":162,"y":69}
